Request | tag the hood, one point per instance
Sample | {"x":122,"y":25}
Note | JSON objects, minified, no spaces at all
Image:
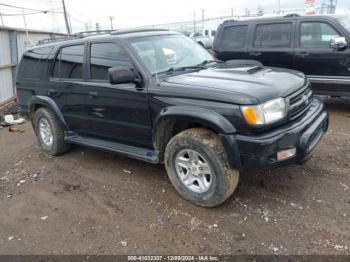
{"x":258,"y":83}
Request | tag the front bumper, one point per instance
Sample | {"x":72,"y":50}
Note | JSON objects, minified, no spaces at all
{"x":260,"y":151}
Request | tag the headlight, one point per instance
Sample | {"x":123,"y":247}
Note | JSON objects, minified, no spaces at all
{"x":266,"y":113}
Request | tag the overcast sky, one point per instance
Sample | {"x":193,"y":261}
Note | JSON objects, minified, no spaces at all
{"x":131,"y":13}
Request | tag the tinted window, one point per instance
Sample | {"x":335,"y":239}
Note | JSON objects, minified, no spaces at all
{"x":33,"y":63}
{"x":235,"y":36}
{"x":316,"y":35}
{"x":69,"y":62}
{"x":105,"y":56}
{"x":273,"y":35}
{"x":213,"y":33}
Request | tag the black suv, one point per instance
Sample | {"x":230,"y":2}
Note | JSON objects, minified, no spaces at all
{"x":315,"y":45}
{"x":160,"y":97}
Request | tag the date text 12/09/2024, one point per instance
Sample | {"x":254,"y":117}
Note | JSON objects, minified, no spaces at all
{"x":173,"y":258}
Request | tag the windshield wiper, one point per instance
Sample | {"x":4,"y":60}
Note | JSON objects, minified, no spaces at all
{"x":182,"y":68}
{"x":205,"y":62}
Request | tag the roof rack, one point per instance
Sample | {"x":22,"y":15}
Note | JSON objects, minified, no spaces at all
{"x":140,"y":30}
{"x":55,"y":39}
{"x":230,"y":20}
{"x":292,"y":15}
{"x":74,"y":36}
{"x":94,"y":33}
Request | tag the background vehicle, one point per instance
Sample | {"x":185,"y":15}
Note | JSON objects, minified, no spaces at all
{"x":315,"y":45}
{"x":158,"y":96}
{"x":205,"y":37}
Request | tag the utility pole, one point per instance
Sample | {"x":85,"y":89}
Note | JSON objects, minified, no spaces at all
{"x":194,"y":23}
{"x":26,"y":27}
{"x":111,"y":18}
{"x":2,"y":20}
{"x":70,"y":23}
{"x":231,"y":12}
{"x":279,"y":7}
{"x":203,"y":21}
{"x":66,"y":18}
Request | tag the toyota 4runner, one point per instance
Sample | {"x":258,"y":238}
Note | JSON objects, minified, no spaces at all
{"x":158,"y":96}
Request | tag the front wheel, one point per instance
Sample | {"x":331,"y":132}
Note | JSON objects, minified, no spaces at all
{"x":197,"y":167}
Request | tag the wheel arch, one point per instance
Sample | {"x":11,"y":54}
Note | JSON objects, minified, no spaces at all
{"x":173,"y":120}
{"x":37,"y":102}
{"x":201,"y":43}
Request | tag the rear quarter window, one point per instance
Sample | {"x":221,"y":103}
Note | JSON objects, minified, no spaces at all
{"x":234,"y":37}
{"x":34,"y":63}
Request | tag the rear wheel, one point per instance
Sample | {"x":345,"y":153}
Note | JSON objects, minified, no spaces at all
{"x":196,"y":164}
{"x":50,"y":134}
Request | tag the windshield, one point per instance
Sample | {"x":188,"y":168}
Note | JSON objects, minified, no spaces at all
{"x":160,"y":53}
{"x":345,"y":22}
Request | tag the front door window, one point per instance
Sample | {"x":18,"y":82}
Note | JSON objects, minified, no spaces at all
{"x":316,"y":35}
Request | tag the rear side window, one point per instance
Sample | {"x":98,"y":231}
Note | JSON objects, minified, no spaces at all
{"x":69,"y":62}
{"x":33,"y":63}
{"x":104,"y":56}
{"x":316,"y":35}
{"x":235,"y":37}
{"x":273,"y":35}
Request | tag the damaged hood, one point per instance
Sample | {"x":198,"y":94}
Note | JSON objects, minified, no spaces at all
{"x":247,"y":84}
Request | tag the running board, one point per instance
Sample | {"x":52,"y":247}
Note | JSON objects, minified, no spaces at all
{"x":130,"y":151}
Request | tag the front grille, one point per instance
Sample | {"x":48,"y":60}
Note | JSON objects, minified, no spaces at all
{"x":299,"y":102}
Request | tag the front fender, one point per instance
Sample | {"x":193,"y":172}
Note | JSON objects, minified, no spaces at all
{"x":50,"y":104}
{"x":205,"y":117}
{"x":202,"y":116}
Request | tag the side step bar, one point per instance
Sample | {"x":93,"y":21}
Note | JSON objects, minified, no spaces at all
{"x":130,"y":151}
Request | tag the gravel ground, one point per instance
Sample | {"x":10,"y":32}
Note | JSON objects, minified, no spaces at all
{"x":92,"y":202}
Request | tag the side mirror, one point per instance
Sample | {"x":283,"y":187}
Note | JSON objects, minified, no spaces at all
{"x":339,"y":43}
{"x":121,"y":75}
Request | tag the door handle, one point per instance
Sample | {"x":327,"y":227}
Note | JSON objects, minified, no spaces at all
{"x":93,"y":94}
{"x":255,"y":53}
{"x":52,"y":92}
{"x":303,"y":54}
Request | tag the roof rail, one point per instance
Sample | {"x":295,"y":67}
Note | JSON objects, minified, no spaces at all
{"x":54,"y":40}
{"x":292,"y":15}
{"x":74,"y":36}
{"x":230,"y":20}
{"x":92,"y":33}
{"x":140,"y":30}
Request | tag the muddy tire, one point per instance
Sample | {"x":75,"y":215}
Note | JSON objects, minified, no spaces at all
{"x":197,"y":167}
{"x":49,"y":133}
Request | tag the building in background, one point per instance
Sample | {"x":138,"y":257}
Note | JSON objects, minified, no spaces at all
{"x":13,"y":42}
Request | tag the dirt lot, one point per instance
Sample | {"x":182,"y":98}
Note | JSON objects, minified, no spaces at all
{"x":92,"y":202}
